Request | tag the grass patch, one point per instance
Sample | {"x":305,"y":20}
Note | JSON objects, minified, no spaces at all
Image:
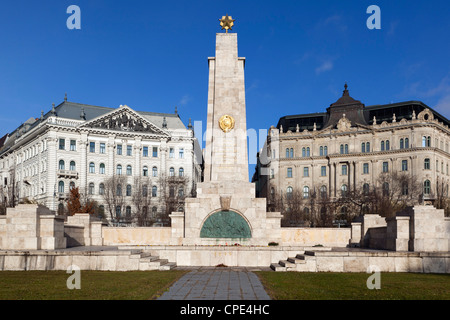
{"x":352,"y":286}
{"x":95,"y":285}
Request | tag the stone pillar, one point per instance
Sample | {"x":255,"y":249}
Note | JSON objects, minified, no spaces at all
{"x":355,"y":240}
{"x":83,"y":165}
{"x":397,"y":235}
{"x":177,"y":219}
{"x":52,"y":232}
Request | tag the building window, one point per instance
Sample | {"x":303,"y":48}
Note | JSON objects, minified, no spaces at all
{"x":61,"y":187}
{"x":344,"y":169}
{"x":272,"y":173}
{"x":144,"y":190}
{"x":154,"y":191}
{"x":180,"y":192}
{"x":321,"y":151}
{"x":367,"y":146}
{"x":344,"y":149}
{"x":404,"y":165}
{"x":172,"y":191}
{"x":119,"y":149}
{"x":154,"y":171}
{"x":154,"y":211}
{"x":91,"y":188}
{"x":323,"y":192}
{"x":180,"y":153}
{"x":323,"y":171}
{"x":102,"y":147}
{"x":406,"y":143}
{"x":405,"y":188}
{"x":402,"y":144}
{"x":102,"y":168}
{"x":171,"y":172}
{"x":287,"y":152}
{"x":61,"y":165}
{"x":129,"y":170}
{"x":303,"y":152}
{"x":171,"y":153}
{"x":292,"y":153}
{"x":308,"y":151}
{"x":72,"y":166}
{"x":387,"y":145}
{"x":155,"y":152}
{"x":73,"y":145}
{"x":363,"y":147}
{"x":426,"y":164}
{"x":365,"y":168}
{"x":128,"y":211}
{"x":289,"y":172}
{"x":426,"y":141}
{"x":91,"y":167}
{"x":118,"y":211}
{"x":145,"y":151}
{"x":71,"y":185}
{"x":305,"y":192}
{"x":306,"y":171}
{"x":145,"y":171}
{"x":119,"y":169}
{"x":129,"y":150}
{"x":289,"y":191}
{"x":385,"y":166}
{"x":119,"y":190}
{"x":101,"y":189}
{"x":325,"y":150}
{"x":62,"y":144}
{"x":128,"y":190}
{"x":385,"y":189}
{"x":92,"y":147}
{"x":181,"y":172}
{"x":427,"y":187}
{"x":382,"y":145}
{"x":344,"y":190}
{"x":366,"y":189}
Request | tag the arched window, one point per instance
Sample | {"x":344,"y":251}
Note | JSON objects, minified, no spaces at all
{"x":346,"y":149}
{"x":341,"y":149}
{"x":366,"y":189}
{"x":61,"y":187}
{"x":405,"y":190}
{"x":427,"y":187}
{"x":118,"y":211}
{"x":145,"y":171}
{"x":306,"y":211}
{"x":321,"y":151}
{"x":119,"y":190}
{"x":382,"y":145}
{"x":181,"y":172}
{"x":101,"y":189}
{"x":128,"y":190}
{"x":129,"y":170}
{"x":325,"y":151}
{"x":71,"y":185}
{"x":180,"y":192}
{"x":308,"y":151}
{"x":367,"y":146}
{"x":305,"y":192}
{"x":154,"y":191}
{"x":154,"y":171}
{"x":385,"y":189}
{"x":289,"y":191}
{"x":287,"y":152}
{"x":292,"y":152}
{"x":144,"y":190}
{"x":303,"y":152}
{"x":91,"y":167}
{"x":128,"y":211}
{"x":344,"y":190}
{"x":363,"y":147}
{"x":406,"y":143}
{"x":171,"y":172}
{"x":154,"y":211}
{"x":323,"y":192}
{"x":61,"y":165}
{"x":72,"y":166}
{"x":60,"y":209}
{"x":119,"y":169}
{"x":387,"y":145}
{"x":171,"y":191}
{"x":102,"y":168}
{"x":91,"y":188}
{"x":402,"y":143}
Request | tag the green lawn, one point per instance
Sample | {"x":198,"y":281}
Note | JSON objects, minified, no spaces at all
{"x":95,"y":285}
{"x":352,"y":286}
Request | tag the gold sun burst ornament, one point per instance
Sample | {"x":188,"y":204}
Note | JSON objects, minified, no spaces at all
{"x":226,"y":22}
{"x":226,"y":123}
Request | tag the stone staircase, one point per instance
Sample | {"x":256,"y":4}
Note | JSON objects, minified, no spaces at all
{"x":305,"y":262}
{"x":148,"y":262}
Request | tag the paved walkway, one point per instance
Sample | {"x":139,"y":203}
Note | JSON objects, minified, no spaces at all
{"x":217,"y":285}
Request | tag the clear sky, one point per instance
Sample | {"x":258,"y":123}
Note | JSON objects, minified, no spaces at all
{"x":152,"y":55}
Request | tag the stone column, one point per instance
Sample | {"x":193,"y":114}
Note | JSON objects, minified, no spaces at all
{"x":83,"y":165}
{"x":177,"y":219}
{"x":397,"y":234}
{"x":52,"y":166}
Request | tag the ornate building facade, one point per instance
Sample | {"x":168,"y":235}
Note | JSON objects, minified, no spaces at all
{"x":350,"y":145}
{"x":78,"y":145}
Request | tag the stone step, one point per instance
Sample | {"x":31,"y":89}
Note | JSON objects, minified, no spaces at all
{"x":287,"y":264}
{"x":277,"y":267}
{"x":167,"y":266}
{"x":148,"y":259}
{"x":158,"y":262}
{"x":304,"y":257}
{"x":145,"y":254}
{"x":310,"y":253}
{"x":296,"y":260}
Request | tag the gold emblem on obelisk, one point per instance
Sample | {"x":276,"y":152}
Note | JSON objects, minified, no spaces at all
{"x":226,"y":123}
{"x":226,"y":22}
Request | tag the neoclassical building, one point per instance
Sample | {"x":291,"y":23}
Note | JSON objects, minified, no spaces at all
{"x":348,"y":147}
{"x":78,"y":145}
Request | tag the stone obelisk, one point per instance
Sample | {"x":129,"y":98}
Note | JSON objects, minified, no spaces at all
{"x":225,"y":209}
{"x":226,"y":140}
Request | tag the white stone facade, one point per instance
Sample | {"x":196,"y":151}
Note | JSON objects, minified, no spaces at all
{"x":43,"y":160}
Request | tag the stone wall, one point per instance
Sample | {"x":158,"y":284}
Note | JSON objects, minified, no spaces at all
{"x":327,"y":237}
{"x":136,"y":236}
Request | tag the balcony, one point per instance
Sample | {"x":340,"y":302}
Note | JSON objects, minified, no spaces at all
{"x":67,"y":174}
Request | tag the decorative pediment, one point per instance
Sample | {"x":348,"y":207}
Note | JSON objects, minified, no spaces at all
{"x":344,"y":124}
{"x":123,"y":119}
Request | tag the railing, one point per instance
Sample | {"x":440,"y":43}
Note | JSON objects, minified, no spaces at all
{"x":67,"y":174}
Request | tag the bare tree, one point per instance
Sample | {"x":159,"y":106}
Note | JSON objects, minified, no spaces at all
{"x":141,"y":199}
{"x":113,"y":195}
{"x":173,"y":195}
{"x":442,"y":200}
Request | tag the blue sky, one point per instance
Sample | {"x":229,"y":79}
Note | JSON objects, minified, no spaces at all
{"x":152,"y":55}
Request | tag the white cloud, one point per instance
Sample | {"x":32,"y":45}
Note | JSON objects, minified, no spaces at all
{"x":184,"y":100}
{"x":325,"y":66}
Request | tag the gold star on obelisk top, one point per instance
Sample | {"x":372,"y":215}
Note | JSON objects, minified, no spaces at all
{"x":226,"y":22}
